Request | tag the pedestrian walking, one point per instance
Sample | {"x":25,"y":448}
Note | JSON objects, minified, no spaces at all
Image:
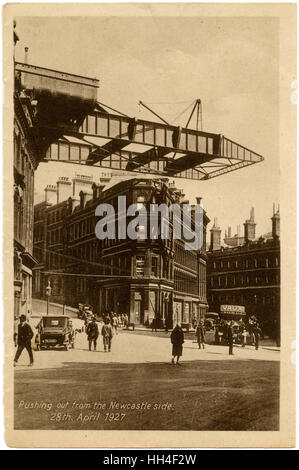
{"x":177,"y":340}
{"x":154,"y":324}
{"x":230,"y":338}
{"x":92,"y":332}
{"x":257,"y":332}
{"x":25,"y":335}
{"x":244,"y":336}
{"x":200,"y":335}
{"x":126,"y":321}
{"x":114,"y":323}
{"x":107,"y":334}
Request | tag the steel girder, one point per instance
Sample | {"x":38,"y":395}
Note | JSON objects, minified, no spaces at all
{"x":123,"y":143}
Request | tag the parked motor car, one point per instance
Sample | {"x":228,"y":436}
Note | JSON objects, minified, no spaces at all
{"x":55,"y":332}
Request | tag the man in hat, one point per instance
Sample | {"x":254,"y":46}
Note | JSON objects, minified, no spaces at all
{"x":92,"y":332}
{"x":25,"y":334}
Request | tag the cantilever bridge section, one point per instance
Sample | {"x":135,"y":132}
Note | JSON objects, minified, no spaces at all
{"x":71,"y":126}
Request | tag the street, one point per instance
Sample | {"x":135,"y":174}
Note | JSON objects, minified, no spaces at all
{"x":135,"y":386}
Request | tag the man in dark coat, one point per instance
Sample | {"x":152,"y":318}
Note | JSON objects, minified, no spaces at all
{"x":25,"y":334}
{"x":200,"y":335}
{"x":154,"y":324}
{"x":177,"y":340}
{"x":257,"y":335}
{"x":230,"y":338}
{"x":92,"y":332}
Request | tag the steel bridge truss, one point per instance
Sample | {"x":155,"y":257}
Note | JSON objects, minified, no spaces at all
{"x":119,"y":142}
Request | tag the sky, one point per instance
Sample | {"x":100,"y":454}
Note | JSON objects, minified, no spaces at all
{"x":230,"y":63}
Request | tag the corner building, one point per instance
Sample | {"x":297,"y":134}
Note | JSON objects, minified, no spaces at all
{"x":145,"y":278}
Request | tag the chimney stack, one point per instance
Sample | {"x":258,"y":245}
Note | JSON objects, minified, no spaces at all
{"x":50,"y":194}
{"x":215,"y":237}
{"x":81,"y":183}
{"x":249,"y":227}
{"x":63,"y":189}
{"x":275,"y":223}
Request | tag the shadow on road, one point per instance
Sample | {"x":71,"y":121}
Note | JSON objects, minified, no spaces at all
{"x":201,"y":395}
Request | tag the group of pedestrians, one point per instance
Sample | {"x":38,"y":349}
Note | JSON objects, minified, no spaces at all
{"x":24,"y":335}
{"x":92,"y":332}
{"x":119,"y":320}
{"x":177,"y":339}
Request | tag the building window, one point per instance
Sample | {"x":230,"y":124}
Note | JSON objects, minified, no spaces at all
{"x":140,"y":265}
{"x":154,"y":269}
{"x":255,"y":263}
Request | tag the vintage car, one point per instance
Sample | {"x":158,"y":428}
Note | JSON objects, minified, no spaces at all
{"x":55,"y":332}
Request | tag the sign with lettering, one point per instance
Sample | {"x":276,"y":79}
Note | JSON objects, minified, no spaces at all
{"x":232,"y":309}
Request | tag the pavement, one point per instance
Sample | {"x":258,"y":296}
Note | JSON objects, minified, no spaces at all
{"x":137,"y":347}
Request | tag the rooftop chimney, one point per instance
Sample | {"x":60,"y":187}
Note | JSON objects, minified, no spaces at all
{"x":215,"y":237}
{"x":64,"y":188}
{"x":275,"y":222}
{"x":81,"y":183}
{"x":249,"y":227}
{"x":50,"y":194}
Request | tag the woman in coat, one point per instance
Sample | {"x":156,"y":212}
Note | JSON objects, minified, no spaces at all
{"x":177,"y":340}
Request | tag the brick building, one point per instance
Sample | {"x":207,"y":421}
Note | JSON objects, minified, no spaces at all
{"x":247,"y":274}
{"x":145,"y":278}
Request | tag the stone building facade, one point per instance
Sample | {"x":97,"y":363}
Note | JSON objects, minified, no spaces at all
{"x":249,"y":275}
{"x":145,"y":278}
{"x":25,"y":163}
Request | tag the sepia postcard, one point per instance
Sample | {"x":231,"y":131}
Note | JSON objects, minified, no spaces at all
{"x":149,"y":240}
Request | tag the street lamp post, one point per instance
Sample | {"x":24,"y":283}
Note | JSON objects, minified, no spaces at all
{"x":48,"y":293}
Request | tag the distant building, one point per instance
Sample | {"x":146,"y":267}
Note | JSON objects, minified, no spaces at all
{"x":144,"y":278}
{"x":248,"y":274}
